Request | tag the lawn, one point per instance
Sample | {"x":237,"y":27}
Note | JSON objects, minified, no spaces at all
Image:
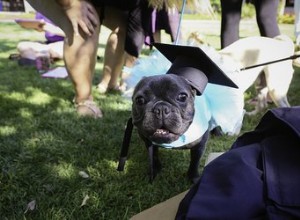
{"x":45,"y":147}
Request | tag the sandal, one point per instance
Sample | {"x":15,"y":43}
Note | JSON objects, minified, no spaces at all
{"x":101,"y":88}
{"x":104,"y":89}
{"x":88,"y":108}
{"x":115,"y":90}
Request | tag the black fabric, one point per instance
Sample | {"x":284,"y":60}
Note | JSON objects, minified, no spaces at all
{"x":258,"y":178}
{"x":139,"y":18}
{"x":121,"y":4}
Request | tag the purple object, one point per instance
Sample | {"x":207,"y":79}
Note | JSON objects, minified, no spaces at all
{"x":51,"y":38}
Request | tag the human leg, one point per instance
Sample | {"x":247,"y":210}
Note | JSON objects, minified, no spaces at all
{"x":114,"y":19}
{"x":132,"y":36}
{"x":80,"y":60}
{"x":79,"y":55}
{"x":297,"y":21}
{"x":266,"y":16}
{"x":297,"y":30}
{"x":109,"y":74}
{"x":231,"y":16}
{"x":128,"y":64}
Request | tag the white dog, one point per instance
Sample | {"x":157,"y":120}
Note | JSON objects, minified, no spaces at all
{"x":257,"y":50}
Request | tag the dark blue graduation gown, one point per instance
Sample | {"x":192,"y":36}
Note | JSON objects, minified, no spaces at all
{"x":258,"y":178}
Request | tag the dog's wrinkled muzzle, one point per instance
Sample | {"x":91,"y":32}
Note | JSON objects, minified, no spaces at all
{"x":161,"y":110}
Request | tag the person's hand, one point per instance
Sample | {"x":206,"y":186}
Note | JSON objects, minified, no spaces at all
{"x":82,"y":15}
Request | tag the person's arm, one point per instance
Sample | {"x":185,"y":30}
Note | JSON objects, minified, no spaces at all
{"x":81,"y":14}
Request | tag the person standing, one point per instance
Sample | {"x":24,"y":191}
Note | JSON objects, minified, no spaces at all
{"x":266,"y":17}
{"x":81,"y":21}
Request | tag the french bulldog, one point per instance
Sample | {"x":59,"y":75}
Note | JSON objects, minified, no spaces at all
{"x":162,"y":110}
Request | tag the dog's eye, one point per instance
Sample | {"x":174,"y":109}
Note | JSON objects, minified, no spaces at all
{"x":140,"y":100}
{"x":182,"y":97}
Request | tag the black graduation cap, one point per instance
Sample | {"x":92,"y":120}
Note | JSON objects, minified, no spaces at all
{"x":194,"y":65}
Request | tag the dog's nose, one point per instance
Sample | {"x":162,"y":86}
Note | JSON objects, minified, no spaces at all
{"x":161,"y":110}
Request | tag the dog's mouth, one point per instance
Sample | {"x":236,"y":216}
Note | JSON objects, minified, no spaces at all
{"x":161,"y":131}
{"x":163,"y":135}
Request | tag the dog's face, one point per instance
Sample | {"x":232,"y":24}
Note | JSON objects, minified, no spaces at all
{"x":163,"y":107}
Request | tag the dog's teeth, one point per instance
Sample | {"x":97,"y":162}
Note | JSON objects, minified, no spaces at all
{"x":162,"y":131}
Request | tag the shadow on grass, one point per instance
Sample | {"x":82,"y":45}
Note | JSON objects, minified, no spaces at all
{"x":7,"y":45}
{"x":44,"y":146}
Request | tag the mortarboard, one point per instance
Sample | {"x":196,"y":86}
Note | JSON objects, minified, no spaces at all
{"x":194,"y":65}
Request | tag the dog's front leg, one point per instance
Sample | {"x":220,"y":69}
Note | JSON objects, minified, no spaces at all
{"x":154,"y":163}
{"x":196,"y":152}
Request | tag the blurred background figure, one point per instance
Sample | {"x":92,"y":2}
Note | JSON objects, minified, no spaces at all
{"x":81,"y":22}
{"x":124,"y":44}
{"x":165,"y":19}
{"x":266,"y":17}
{"x":153,"y":21}
{"x":52,"y":47}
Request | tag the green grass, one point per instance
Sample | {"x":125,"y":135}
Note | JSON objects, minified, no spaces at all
{"x":44,"y":145}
